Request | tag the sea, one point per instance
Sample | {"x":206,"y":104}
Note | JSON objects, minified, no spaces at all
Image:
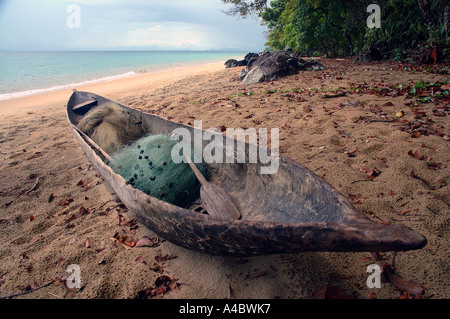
{"x":24,"y":73}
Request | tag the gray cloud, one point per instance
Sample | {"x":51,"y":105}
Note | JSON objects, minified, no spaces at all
{"x":132,"y":24}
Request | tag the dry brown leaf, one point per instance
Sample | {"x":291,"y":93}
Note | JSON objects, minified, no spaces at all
{"x":88,"y":242}
{"x":140,"y":259}
{"x":147,"y":242}
{"x":439,"y":180}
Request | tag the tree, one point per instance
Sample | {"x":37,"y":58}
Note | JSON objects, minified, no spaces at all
{"x":245,"y":8}
{"x":338,"y":27}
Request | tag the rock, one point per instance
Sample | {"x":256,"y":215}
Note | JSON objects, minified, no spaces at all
{"x":270,"y":66}
{"x":232,"y":63}
{"x":243,"y":73}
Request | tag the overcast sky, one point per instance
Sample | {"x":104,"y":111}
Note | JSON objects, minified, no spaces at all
{"x":125,"y":25}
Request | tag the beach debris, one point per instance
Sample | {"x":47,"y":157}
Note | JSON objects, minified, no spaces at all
{"x":389,"y":275}
{"x":140,"y":259}
{"x":28,"y":289}
{"x":371,"y":173}
{"x":35,"y":186}
{"x":81,"y":212}
{"x":132,"y":223}
{"x":400,"y":114}
{"x":125,"y":241}
{"x":331,"y":96}
{"x":6,"y":221}
{"x":148,"y":242}
{"x":163,"y":285}
{"x":88,"y":242}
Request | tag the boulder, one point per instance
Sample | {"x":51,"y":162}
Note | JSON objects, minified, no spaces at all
{"x":232,"y":63}
{"x":270,"y":66}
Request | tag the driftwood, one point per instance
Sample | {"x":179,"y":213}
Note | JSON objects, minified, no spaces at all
{"x":290,"y":211}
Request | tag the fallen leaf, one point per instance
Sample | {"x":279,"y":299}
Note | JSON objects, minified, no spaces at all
{"x":60,"y":262}
{"x":162,"y":285}
{"x":400,"y":114}
{"x":88,"y":243}
{"x":371,"y":174}
{"x":351,"y":154}
{"x":439,"y":180}
{"x":162,"y":259}
{"x":414,"y":154}
{"x":358,"y":196}
{"x":6,"y":221}
{"x":140,"y":259}
{"x":36,"y":238}
{"x":434,"y":166}
{"x":147,"y":242}
{"x":126,"y":242}
{"x":127,"y":223}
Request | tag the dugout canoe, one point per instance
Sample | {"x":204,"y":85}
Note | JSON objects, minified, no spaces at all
{"x":290,"y":211}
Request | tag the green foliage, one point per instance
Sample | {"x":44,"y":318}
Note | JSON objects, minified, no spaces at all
{"x":338,"y":27}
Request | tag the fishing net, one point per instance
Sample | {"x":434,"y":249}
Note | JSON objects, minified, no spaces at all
{"x":110,"y":126}
{"x":148,"y":166}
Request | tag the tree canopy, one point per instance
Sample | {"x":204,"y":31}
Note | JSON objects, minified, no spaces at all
{"x":339,"y":27}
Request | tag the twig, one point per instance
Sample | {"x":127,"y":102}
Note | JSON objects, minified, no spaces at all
{"x":35,"y":186}
{"x":59,"y":297}
{"x":28,"y":291}
{"x":330,"y":96}
{"x":383,"y":121}
{"x":311,"y":156}
{"x":393,"y":259}
{"x":432,"y":210}
{"x":368,"y":180}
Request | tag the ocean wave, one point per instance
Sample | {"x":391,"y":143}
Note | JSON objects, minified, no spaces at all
{"x":14,"y":95}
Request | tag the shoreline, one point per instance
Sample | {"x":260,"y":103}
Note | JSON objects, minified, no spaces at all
{"x":111,"y":74}
{"x":116,"y":86}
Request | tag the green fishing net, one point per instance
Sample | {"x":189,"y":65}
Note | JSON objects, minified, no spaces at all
{"x":148,"y":166}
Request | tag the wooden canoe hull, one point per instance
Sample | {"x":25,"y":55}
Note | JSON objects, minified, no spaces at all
{"x":291,"y":211}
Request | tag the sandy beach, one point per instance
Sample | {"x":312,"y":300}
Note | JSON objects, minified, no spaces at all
{"x":56,"y":211}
